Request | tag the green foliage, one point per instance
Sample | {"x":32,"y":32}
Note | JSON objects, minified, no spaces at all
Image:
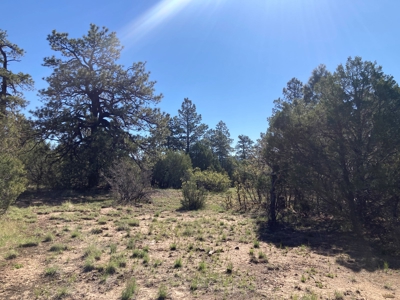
{"x":12,"y":180}
{"x":130,"y":289}
{"x":94,"y":108}
{"x":194,"y":197}
{"x":211,"y":181}
{"x":335,"y":145}
{"x":170,"y":169}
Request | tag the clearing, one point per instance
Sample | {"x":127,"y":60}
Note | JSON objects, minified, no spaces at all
{"x":83,"y":247}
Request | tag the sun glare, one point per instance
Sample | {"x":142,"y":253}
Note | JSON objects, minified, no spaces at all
{"x":157,"y":15}
{"x":151,"y":19}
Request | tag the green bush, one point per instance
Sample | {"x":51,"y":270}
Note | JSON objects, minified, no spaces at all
{"x":12,"y":180}
{"x":211,"y":181}
{"x":193,"y":197}
{"x":169,"y":170}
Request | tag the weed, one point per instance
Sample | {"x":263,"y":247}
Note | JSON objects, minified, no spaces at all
{"x":256,"y":244}
{"x":202,"y":266}
{"x":339,"y":295}
{"x":92,"y":251}
{"x":113,"y":248}
{"x":385,"y":266}
{"x":251,"y":252}
{"x":62,"y":292}
{"x":102,"y":221}
{"x":29,"y":243}
{"x":303,"y":278}
{"x":129,"y":290}
{"x":18,"y":266}
{"x":157,"y":263}
{"x":173,"y":247}
{"x":96,"y":230}
{"x":58,"y":248}
{"x":48,"y":238}
{"x":11,"y":255}
{"x":111,"y":268}
{"x":162,"y":292}
{"x":89,"y":264}
{"x":75,"y":234}
{"x":178,"y":263}
{"x":262,"y":256}
{"x":51,"y":271}
{"x":229,"y":268}
{"x":131,"y":244}
{"x":133,"y":222}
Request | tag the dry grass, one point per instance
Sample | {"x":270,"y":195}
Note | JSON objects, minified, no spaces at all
{"x":156,"y":251}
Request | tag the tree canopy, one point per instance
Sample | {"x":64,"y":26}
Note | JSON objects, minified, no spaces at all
{"x":94,"y":105}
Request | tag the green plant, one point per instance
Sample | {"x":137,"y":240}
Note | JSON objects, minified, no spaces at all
{"x":51,"y":271}
{"x":96,"y":230}
{"x":256,"y":244}
{"x":130,"y":289}
{"x":111,"y":268}
{"x":173,"y":247}
{"x":131,"y":244}
{"x":202,"y":266}
{"x":303,"y":278}
{"x":262,"y":256}
{"x":229,"y":268}
{"x":178,"y":263}
{"x":113,"y":248}
{"x":339,"y":295}
{"x":58,"y":248}
{"x":11,"y":255}
{"x":162,"y":292}
{"x":133,"y":222}
{"x":89,"y":264}
{"x":92,"y":251}
{"x":102,"y":221}
{"x":29,"y":243}
{"x":193,"y":196}
{"x":48,"y":238}
{"x":251,"y":252}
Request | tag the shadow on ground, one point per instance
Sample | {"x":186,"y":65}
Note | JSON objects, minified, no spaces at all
{"x":57,"y":197}
{"x":351,"y":251}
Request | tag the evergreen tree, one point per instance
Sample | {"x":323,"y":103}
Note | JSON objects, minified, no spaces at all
{"x":94,"y":106}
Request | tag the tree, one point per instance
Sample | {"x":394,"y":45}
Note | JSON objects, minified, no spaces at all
{"x":94,"y":106}
{"x":339,"y":153}
{"x":170,"y":169}
{"x":190,"y":123}
{"x":12,"y":173}
{"x":12,"y":84}
{"x":221,"y":143}
{"x":175,"y":140}
{"x":244,"y":147}
{"x":203,"y":158}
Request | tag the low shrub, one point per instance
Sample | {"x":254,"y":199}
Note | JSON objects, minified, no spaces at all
{"x":193,"y":197}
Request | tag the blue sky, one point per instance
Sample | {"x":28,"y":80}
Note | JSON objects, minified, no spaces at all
{"x":230,"y":57}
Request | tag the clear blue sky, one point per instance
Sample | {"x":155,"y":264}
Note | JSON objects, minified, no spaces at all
{"x":230,"y":57}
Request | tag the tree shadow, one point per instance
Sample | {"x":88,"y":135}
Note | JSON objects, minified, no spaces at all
{"x":57,"y":197}
{"x":350,"y":251}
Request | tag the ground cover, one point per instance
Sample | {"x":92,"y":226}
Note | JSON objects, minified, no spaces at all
{"x":83,"y":247}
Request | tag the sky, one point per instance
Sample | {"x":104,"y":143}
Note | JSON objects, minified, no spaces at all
{"x":232,"y":58}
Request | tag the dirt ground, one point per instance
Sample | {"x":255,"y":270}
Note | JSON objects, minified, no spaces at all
{"x":82,"y":247}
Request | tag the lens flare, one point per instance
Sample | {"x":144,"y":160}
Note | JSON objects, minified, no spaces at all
{"x":151,"y":19}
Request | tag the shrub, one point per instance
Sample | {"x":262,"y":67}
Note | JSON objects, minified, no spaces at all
{"x":193,"y":197}
{"x":129,"y":183}
{"x":169,"y":170}
{"x":12,"y":180}
{"x":211,"y":181}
